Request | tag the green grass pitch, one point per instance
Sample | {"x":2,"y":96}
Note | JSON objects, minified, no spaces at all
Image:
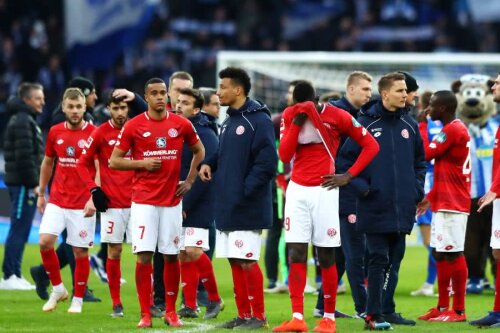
{"x":21,"y":311}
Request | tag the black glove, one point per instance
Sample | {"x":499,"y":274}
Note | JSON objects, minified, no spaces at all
{"x":100,"y":199}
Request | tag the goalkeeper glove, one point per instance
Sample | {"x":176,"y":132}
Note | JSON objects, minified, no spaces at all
{"x":100,"y":199}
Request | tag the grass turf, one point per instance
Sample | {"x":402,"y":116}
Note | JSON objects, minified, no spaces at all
{"x":20,"y":311}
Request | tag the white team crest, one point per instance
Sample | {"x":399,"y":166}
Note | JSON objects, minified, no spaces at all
{"x":70,"y":151}
{"x":173,"y":133}
{"x":81,"y":143}
{"x":240,"y":130}
{"x":146,"y":134}
{"x":405,"y":134}
{"x":60,"y":141}
{"x":161,"y":142}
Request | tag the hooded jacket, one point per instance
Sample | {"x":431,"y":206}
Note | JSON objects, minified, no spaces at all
{"x":246,"y":166}
{"x":23,"y":145}
{"x":199,"y":202}
{"x":395,"y":177}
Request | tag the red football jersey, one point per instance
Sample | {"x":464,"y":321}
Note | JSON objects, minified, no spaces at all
{"x":116,"y":184}
{"x":450,"y":150}
{"x":311,"y":160}
{"x":161,"y":139}
{"x":68,"y":189}
{"x":495,"y":186}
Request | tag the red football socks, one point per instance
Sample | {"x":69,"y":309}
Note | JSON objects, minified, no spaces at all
{"x":330,"y":278}
{"x":82,"y":269}
{"x":297,"y":282}
{"x":255,"y":289}
{"x":51,"y":265}
{"x":114,"y":274}
{"x":189,"y":277}
{"x":143,"y":285}
{"x":171,"y":279}
{"x":207,"y":276}
{"x":240,"y":292}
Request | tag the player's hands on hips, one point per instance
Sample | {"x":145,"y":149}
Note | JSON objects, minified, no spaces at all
{"x":205,"y":173}
{"x":152,"y":164}
{"x":485,"y":200}
{"x":183,"y":187}
{"x":422,"y":206}
{"x":300,"y":118}
{"x":333,"y":181}
{"x":89,"y":209}
{"x":100,"y":199}
{"x":124,"y":94}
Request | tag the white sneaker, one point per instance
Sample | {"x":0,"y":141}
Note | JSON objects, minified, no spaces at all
{"x":341,"y":289}
{"x":426,"y":290}
{"x":14,"y":283}
{"x":25,"y":283}
{"x":76,"y":305}
{"x":278,"y":289}
{"x":309,"y":289}
{"x":54,"y":298}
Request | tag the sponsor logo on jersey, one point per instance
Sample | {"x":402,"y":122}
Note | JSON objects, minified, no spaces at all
{"x":448,"y":247}
{"x":82,"y":143}
{"x":240,"y":130}
{"x":173,"y":133}
{"x":249,"y":255}
{"x":405,"y":134}
{"x":70,"y":151}
{"x":60,"y":141}
{"x":112,"y":142}
{"x":377,"y":134}
{"x":146,"y":134}
{"x":161,"y":142}
{"x":199,"y":242}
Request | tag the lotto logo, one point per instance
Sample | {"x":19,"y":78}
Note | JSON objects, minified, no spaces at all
{"x":200,"y":242}
{"x":331,"y":232}
{"x":83,"y":234}
{"x":448,"y":247}
{"x":189,"y":231}
{"x":249,"y":255}
{"x":238,"y":243}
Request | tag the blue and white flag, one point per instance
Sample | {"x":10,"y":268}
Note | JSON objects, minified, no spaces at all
{"x":97,"y":31}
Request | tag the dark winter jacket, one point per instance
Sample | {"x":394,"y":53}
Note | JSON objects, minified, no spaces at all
{"x":245,"y":169}
{"x":199,"y":202}
{"x":395,"y":178}
{"x":348,"y":193}
{"x":23,"y":145}
{"x":212,"y":123}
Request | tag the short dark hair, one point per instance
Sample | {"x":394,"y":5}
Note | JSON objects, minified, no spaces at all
{"x":447,"y":99}
{"x":198,"y":97}
{"x":304,"y":91}
{"x":25,"y":88}
{"x":239,"y":77}
{"x":180,"y":75}
{"x":151,"y":81}
{"x":207,"y":94}
{"x":387,"y":81}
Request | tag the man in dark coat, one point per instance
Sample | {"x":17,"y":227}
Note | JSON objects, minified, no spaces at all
{"x":246,"y":165}
{"x":23,"y":156}
{"x":390,"y":187}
